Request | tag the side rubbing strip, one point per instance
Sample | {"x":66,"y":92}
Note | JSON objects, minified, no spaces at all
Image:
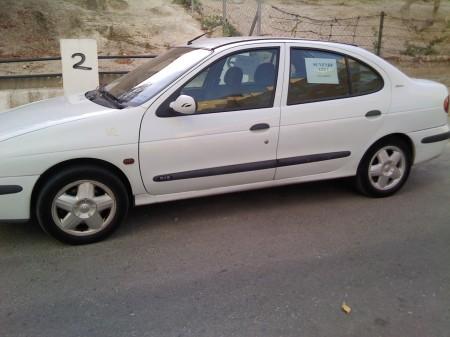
{"x":217,"y":171}
{"x":436,"y":138}
{"x":10,"y":189}
{"x":311,"y":158}
{"x":246,"y":167}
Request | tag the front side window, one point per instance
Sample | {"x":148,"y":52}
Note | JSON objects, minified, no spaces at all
{"x":144,"y":82}
{"x":241,"y":81}
{"x":321,"y":75}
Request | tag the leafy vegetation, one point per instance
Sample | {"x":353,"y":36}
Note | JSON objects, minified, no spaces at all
{"x":211,"y":22}
{"x":424,"y":50}
{"x":188,"y":4}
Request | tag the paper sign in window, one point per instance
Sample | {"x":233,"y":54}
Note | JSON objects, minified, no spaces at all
{"x":321,"y":71}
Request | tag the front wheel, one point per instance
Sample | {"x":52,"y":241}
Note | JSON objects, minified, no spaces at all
{"x":82,"y":204}
{"x":384,"y":168}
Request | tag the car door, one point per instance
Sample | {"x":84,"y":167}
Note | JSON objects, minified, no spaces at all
{"x":232,"y":137}
{"x":332,"y":105}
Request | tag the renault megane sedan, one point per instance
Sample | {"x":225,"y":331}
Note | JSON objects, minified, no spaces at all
{"x":216,"y":116}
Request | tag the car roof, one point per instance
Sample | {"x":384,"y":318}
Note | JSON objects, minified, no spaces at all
{"x":216,"y":42}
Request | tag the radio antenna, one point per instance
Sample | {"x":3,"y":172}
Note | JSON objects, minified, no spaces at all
{"x":196,"y":38}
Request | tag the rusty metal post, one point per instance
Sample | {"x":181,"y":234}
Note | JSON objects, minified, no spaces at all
{"x":380,"y":33}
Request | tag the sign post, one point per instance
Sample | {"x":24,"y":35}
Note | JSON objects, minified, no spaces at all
{"x":79,"y":65}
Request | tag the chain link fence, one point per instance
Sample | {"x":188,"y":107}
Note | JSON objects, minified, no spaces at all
{"x":382,"y":33}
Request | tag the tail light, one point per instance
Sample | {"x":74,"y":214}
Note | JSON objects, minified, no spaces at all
{"x":446,"y":104}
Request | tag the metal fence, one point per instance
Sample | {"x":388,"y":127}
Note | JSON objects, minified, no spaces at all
{"x":236,"y":17}
{"x":385,"y":34}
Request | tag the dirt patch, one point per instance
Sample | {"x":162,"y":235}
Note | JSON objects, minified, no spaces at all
{"x":33,"y":28}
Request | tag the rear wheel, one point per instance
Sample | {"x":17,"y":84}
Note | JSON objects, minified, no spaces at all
{"x":82,"y":204}
{"x":384,"y":168}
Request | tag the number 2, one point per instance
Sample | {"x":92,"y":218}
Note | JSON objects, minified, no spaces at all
{"x":78,"y":65}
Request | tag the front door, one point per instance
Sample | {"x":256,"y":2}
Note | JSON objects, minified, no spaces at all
{"x":232,"y":137}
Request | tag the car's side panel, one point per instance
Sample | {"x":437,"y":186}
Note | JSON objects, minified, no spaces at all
{"x":143,"y":199}
{"x":111,"y":137}
{"x":16,"y":206}
{"x":330,"y":125}
{"x":428,"y":151}
{"x":165,"y":157}
{"x":209,"y":143}
{"x":416,"y":96}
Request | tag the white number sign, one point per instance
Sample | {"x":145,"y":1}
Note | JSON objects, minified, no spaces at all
{"x":322,"y":71}
{"x":79,"y":65}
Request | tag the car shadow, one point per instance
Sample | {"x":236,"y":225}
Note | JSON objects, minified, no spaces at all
{"x":195,"y":209}
{"x":208,"y":209}
{"x":143,"y":217}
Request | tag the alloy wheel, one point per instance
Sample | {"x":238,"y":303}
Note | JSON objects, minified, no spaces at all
{"x":387,"y":168}
{"x":84,"y":207}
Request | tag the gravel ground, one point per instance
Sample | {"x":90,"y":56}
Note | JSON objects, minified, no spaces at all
{"x":274,"y":262}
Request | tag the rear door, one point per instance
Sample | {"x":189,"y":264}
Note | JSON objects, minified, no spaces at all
{"x":332,"y":105}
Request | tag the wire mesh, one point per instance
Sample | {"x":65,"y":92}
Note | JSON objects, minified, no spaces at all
{"x":409,"y":36}
{"x":398,"y":35}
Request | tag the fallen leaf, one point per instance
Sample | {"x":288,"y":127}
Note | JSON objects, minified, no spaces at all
{"x":346,"y":308}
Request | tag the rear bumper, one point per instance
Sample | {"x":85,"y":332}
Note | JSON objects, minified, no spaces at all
{"x":429,"y":143}
{"x":436,"y":138}
{"x":15,"y":198}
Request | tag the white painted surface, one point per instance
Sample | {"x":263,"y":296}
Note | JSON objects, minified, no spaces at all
{"x":209,"y":140}
{"x":79,"y":77}
{"x":38,"y":136}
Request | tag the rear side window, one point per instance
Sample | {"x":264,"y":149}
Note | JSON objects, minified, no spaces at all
{"x":321,"y":75}
{"x":316,"y":75}
{"x":363,"y":79}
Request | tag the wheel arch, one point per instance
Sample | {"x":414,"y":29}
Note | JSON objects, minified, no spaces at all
{"x":396,"y":135}
{"x":74,"y":162}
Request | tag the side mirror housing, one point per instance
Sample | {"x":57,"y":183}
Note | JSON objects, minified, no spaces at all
{"x":184,"y":104}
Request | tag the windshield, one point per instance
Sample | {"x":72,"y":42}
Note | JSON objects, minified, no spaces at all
{"x":144,"y":82}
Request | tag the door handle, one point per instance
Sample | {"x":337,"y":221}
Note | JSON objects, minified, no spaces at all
{"x":259,"y":126}
{"x":373,"y":113}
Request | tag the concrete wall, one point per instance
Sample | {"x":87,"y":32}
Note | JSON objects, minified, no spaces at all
{"x":15,"y":97}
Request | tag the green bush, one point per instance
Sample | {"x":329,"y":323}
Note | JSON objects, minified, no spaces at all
{"x":187,"y":3}
{"x":428,"y":49}
{"x":211,"y":22}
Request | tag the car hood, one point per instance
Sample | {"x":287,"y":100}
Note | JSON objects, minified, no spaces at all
{"x":47,"y":113}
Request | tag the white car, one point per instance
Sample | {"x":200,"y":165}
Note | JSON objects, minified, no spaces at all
{"x":216,"y":116}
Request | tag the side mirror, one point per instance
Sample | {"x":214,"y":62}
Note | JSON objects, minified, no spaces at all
{"x":184,"y":104}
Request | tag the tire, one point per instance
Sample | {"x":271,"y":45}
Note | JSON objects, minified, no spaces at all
{"x":82,"y":204}
{"x":384,"y":168}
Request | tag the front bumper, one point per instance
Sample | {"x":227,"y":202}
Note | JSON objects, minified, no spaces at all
{"x":15,"y":197}
{"x":429,"y":143}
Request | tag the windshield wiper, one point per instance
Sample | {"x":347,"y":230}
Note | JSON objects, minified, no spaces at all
{"x":110,"y":97}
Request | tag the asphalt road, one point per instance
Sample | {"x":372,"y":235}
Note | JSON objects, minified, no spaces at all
{"x":274,"y":262}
